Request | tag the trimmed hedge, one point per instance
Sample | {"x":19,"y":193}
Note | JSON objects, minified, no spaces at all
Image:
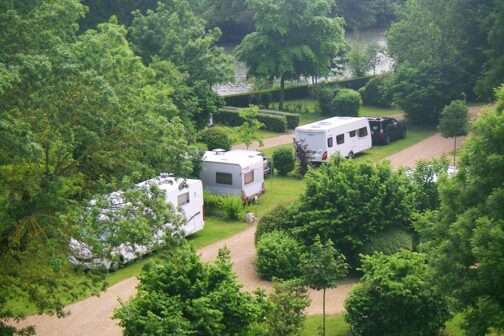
{"x":284,"y":161}
{"x":231,"y":117}
{"x":292,"y":93}
{"x":292,"y":119}
{"x":376,"y":93}
{"x":346,"y":103}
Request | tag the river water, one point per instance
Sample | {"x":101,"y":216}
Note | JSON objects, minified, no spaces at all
{"x":366,"y":38}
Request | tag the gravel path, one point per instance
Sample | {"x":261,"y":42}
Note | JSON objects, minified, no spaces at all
{"x":92,"y":316}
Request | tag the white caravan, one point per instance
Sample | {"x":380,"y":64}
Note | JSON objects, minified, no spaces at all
{"x":236,"y":172}
{"x":184,"y":195}
{"x":345,"y":136}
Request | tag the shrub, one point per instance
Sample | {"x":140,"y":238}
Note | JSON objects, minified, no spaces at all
{"x":229,"y":207}
{"x":275,"y":220}
{"x":395,"y":298}
{"x":292,"y":118}
{"x":215,"y":137}
{"x":389,"y":242}
{"x":233,"y":207}
{"x":229,"y":117}
{"x":283,"y":161}
{"x":376,"y":93}
{"x":349,"y":202}
{"x":346,"y":103}
{"x":279,"y":256}
{"x":325,"y":97}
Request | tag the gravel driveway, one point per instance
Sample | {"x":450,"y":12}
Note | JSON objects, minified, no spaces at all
{"x":92,"y":316}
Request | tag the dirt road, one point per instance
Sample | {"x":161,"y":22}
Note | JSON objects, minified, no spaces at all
{"x":92,"y":316}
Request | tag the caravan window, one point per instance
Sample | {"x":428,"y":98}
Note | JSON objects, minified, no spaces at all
{"x":224,"y":178}
{"x":363,"y":132}
{"x":353,"y":134}
{"x":340,"y":139}
{"x":249,"y":177}
{"x":183,"y":199}
{"x":330,"y":142}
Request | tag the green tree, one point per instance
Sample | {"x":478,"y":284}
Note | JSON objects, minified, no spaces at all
{"x":454,"y":123}
{"x":362,"y":59}
{"x":395,"y":297}
{"x":293,"y":38}
{"x":183,"y":296}
{"x":172,"y":32}
{"x":465,"y":239}
{"x":323,"y":267}
{"x":248,"y":131}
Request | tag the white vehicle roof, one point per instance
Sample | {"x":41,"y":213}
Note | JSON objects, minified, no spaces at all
{"x":242,"y":158}
{"x":328,"y":124}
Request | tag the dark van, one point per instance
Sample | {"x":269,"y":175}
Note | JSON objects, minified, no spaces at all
{"x":386,"y":130}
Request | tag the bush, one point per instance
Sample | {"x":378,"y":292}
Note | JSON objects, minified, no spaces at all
{"x":283,"y":161}
{"x":395,"y":298}
{"x":279,"y":256}
{"x":229,"y":117}
{"x":376,"y":93}
{"x":346,"y":103}
{"x":325,"y":97}
{"x":389,"y":242}
{"x":275,"y":220}
{"x":349,"y":202}
{"x":215,"y":137}
{"x":229,"y":207}
{"x":233,"y":207}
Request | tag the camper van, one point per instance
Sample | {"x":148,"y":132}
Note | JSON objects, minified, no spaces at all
{"x":345,"y":136}
{"x":184,"y":195}
{"x":235,"y":172}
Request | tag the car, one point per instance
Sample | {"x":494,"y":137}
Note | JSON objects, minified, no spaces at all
{"x":386,"y":130}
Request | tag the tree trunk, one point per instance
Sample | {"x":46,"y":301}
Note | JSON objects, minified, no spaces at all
{"x":455,"y":153}
{"x":323,"y":313}
{"x":282,"y":92}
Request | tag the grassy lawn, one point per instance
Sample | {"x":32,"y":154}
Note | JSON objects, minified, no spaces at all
{"x":335,"y":325}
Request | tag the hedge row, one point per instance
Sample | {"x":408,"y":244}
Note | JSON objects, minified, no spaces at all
{"x":291,"y":118}
{"x":292,"y":93}
{"x":231,"y":117}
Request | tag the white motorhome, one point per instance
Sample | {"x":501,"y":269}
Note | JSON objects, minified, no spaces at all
{"x":235,"y":172}
{"x":184,"y":195}
{"x":345,"y":136}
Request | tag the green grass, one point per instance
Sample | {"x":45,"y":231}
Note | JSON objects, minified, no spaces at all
{"x":414,"y":136}
{"x":335,"y":325}
{"x":279,"y":191}
{"x":263,"y":134}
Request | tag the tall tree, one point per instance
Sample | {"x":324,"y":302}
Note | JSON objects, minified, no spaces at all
{"x":248,"y":131}
{"x":323,"y":267}
{"x":454,"y":123}
{"x":465,"y":239}
{"x":293,"y":38}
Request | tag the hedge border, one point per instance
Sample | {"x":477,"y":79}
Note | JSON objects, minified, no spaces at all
{"x":291,"y":93}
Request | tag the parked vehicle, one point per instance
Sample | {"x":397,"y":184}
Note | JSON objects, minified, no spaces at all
{"x":386,"y":130}
{"x":235,"y":172}
{"x":184,"y":195}
{"x":345,"y":136}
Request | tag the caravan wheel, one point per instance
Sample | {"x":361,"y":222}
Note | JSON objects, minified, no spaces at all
{"x":351,"y":155}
